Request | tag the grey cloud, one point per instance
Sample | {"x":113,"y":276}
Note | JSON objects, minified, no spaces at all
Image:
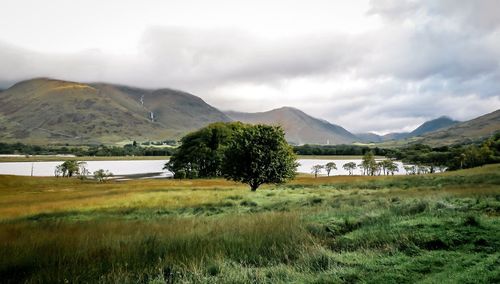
{"x":235,"y":56}
{"x":426,"y":70}
{"x":479,"y":15}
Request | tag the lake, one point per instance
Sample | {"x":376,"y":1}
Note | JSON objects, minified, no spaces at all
{"x":152,"y":168}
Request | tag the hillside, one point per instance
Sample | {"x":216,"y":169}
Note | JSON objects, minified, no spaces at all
{"x":369,"y":137}
{"x":375,"y":138}
{"x":299,"y":127}
{"x":433,"y":125}
{"x":42,"y":111}
{"x":428,"y":126}
{"x":467,"y":131}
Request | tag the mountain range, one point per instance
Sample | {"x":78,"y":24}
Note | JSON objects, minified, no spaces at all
{"x":299,"y":127}
{"x":426,"y":127}
{"x":48,"y":111}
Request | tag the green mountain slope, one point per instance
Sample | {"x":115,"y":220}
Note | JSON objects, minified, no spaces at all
{"x":426,"y":127}
{"x":299,"y":127}
{"x":42,"y":111}
{"x":433,"y":125}
{"x":468,"y":131}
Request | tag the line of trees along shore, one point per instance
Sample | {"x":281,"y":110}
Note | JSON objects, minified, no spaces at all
{"x":132,"y":149}
{"x":422,"y":158}
{"x":368,"y":166}
{"x":449,"y":157}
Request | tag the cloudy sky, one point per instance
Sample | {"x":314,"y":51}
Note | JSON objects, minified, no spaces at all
{"x":380,"y":66}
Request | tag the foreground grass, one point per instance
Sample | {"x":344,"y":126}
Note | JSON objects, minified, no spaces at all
{"x":430,"y":229}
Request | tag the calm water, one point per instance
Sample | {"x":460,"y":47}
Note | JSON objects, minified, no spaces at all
{"x":120,"y":168}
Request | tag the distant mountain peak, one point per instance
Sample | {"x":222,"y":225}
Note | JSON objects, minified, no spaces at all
{"x":300,"y":128}
{"x":467,"y":131}
{"x":287,"y":108}
{"x":433,"y":125}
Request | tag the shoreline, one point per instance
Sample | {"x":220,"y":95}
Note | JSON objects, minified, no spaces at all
{"x":52,"y":158}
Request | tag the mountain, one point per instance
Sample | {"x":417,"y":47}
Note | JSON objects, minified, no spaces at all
{"x":299,"y":127}
{"x":375,"y":138}
{"x":428,"y":126}
{"x":395,"y":136}
{"x":433,"y":125}
{"x":54,"y":111}
{"x":369,"y":137}
{"x":468,"y":131}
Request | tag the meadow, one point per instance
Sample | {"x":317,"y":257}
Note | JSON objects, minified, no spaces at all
{"x":440,"y":228}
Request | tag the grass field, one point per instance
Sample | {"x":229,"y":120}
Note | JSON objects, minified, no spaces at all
{"x":442,"y":228}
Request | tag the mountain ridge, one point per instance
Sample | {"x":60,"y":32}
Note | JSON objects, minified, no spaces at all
{"x":426,"y":127}
{"x":300,"y":128}
{"x":48,"y":110}
{"x":463,"y":132}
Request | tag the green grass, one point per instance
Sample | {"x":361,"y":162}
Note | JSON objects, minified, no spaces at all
{"x":442,"y":228}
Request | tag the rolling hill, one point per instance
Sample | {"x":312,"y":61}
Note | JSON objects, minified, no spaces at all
{"x":463,"y":132}
{"x":433,"y":125}
{"x":428,"y":126}
{"x":45,"y":111}
{"x":299,"y":127}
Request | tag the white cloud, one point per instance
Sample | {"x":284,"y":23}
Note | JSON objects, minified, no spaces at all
{"x":379,"y":66}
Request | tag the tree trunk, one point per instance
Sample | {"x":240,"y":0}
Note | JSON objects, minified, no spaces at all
{"x":254,"y":187}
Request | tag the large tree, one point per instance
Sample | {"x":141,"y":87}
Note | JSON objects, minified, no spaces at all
{"x":201,"y":152}
{"x":259,"y":154}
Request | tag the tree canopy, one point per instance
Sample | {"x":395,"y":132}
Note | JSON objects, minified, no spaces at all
{"x":329,"y":167}
{"x":70,"y":168}
{"x":259,"y":154}
{"x":316,"y":169}
{"x":350,"y":167}
{"x":368,"y":164}
{"x":201,"y":152}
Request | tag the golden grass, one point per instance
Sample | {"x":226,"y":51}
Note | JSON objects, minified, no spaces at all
{"x":214,"y":231}
{"x":26,"y":196}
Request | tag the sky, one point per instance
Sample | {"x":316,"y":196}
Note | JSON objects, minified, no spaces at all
{"x":379,"y":66}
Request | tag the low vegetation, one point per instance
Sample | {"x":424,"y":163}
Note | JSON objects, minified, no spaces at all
{"x":451,"y":157}
{"x":342,"y":229}
{"x":338,"y":150}
{"x":133,"y":149}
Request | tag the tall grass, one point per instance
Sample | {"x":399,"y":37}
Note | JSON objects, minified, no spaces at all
{"x":439,"y":228}
{"x":54,"y":251}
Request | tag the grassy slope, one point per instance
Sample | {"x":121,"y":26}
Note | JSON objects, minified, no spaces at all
{"x":430,"y":229}
{"x":300,"y":128}
{"x":45,"y":111}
